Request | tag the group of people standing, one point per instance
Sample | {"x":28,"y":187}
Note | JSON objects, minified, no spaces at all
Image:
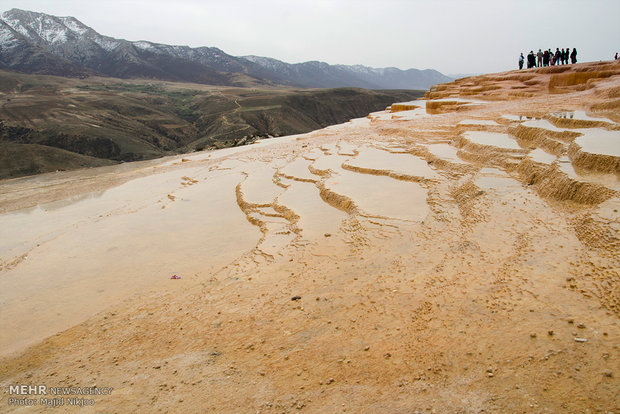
{"x":548,"y":58}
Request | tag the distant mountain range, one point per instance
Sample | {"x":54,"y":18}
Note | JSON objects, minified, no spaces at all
{"x":38,"y":43}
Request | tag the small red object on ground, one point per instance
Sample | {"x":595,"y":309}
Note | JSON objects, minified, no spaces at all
{"x":175,"y":277}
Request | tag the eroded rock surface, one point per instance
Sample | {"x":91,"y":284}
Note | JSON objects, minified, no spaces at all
{"x":459,"y":254}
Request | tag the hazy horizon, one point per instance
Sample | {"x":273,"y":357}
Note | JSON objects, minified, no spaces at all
{"x":453,"y":37}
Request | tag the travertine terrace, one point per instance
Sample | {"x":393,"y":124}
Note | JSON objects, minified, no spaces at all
{"x":455,"y":254}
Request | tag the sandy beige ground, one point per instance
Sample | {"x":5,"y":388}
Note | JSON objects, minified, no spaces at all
{"x":459,"y":254}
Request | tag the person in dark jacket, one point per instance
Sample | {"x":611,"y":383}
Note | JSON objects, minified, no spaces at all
{"x":528,"y":61}
{"x":521,"y":59}
{"x":558,"y":56}
{"x":546,"y":58}
{"x":573,"y":56}
{"x":531,"y":60}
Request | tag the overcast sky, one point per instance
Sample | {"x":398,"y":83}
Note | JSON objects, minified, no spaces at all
{"x":452,"y":36}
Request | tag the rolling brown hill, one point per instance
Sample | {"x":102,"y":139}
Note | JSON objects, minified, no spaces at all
{"x":50,"y":123}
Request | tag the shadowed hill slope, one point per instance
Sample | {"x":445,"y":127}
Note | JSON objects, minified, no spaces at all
{"x":114,"y":120}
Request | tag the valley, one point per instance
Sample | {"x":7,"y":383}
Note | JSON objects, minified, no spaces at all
{"x":53,"y":123}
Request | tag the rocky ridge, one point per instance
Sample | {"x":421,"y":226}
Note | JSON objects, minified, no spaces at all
{"x":39,"y":43}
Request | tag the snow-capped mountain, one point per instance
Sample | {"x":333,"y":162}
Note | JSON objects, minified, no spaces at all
{"x":67,"y":42}
{"x":57,"y":33}
{"x":18,"y":53}
{"x":40,"y":43}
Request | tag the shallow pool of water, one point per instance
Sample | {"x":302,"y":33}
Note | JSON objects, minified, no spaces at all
{"x":494,"y":139}
{"x":313,"y":154}
{"x":542,"y":123}
{"x":259,"y":186}
{"x":446,"y":152}
{"x":578,"y":115}
{"x":298,"y":169}
{"x":494,"y":179}
{"x":538,"y":155}
{"x":375,"y":195}
{"x":607,"y":180}
{"x":214,"y":154}
{"x":345,"y":148}
{"x":377,"y":159}
{"x":316,"y":217}
{"x":599,"y":141}
{"x":82,"y":257}
{"x":477,"y":122}
{"x":329,"y":162}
